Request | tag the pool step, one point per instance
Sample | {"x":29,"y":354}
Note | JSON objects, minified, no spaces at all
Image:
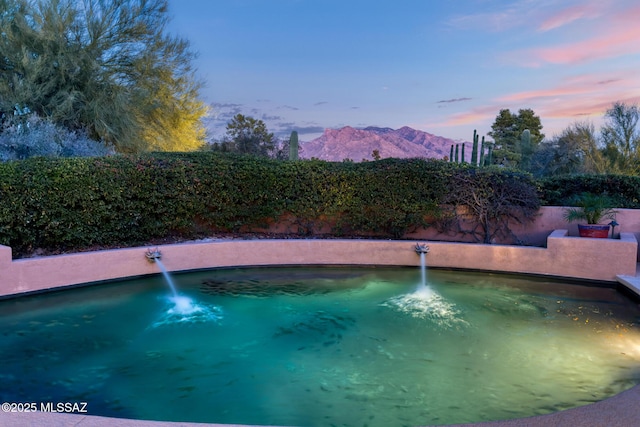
{"x":631,"y":282}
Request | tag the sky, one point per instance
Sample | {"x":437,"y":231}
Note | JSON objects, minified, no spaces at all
{"x":444,"y":67}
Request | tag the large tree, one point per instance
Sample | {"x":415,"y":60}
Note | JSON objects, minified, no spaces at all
{"x":106,"y":66}
{"x":510,"y":147}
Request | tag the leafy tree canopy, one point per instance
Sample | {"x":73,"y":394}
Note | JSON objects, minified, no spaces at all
{"x":247,"y":135}
{"x":621,"y":138}
{"x":511,"y":149}
{"x":574,"y":151}
{"x":580,"y":149}
{"x":105,"y":66}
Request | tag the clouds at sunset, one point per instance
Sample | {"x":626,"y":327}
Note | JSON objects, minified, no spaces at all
{"x":443,"y":67}
{"x":574,"y":55}
{"x":590,"y":32}
{"x":571,"y":14}
{"x":575,"y":98}
{"x":622,"y":41}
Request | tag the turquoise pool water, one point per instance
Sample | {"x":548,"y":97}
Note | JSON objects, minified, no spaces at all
{"x":321,"y":347}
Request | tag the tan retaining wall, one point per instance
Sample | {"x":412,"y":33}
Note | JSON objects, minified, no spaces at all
{"x":548,"y":219}
{"x":591,"y":259}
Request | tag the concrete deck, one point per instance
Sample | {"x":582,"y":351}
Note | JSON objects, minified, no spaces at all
{"x":622,"y":410}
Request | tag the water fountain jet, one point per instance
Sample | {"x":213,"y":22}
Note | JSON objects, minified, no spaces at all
{"x":154,"y":256}
{"x":424,"y":302}
{"x":422,"y":250}
{"x":184,"y":308}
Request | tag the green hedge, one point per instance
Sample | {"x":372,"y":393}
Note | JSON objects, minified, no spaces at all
{"x":624,"y":190}
{"x":71,"y":204}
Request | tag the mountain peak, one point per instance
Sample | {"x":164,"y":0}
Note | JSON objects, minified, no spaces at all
{"x":358,"y":144}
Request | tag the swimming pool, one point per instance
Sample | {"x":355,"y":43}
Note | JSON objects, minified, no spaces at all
{"x":322,"y":346}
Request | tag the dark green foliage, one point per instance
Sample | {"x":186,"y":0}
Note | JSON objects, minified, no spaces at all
{"x":623,"y":190}
{"x":506,"y":132}
{"x":526,"y":149}
{"x":392,"y":196}
{"x":246,"y":135}
{"x":71,"y":204}
{"x":488,"y":159}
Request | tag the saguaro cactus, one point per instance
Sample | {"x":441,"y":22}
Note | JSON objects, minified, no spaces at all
{"x":293,"y":146}
{"x":474,"y":150}
{"x":489,"y":157}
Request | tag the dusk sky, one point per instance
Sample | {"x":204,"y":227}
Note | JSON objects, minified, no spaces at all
{"x":444,"y":67}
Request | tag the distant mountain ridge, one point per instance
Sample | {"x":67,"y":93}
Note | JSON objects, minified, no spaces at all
{"x":359,"y":144}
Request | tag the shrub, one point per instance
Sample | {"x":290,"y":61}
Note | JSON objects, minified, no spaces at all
{"x":623,"y":190}
{"x":31,"y":136}
{"x":68,"y":204}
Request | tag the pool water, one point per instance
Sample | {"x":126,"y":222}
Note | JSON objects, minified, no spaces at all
{"x":322,"y":347}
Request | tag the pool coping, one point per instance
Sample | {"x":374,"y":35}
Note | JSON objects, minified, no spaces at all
{"x":589,"y":259}
{"x":620,"y":410}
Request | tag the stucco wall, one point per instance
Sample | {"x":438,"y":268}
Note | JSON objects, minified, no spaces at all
{"x":549,"y":218}
{"x":591,"y":259}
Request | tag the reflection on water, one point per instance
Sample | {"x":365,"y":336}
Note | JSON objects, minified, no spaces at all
{"x":322,"y":347}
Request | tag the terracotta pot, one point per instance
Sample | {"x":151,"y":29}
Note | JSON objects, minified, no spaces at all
{"x":594,"y":230}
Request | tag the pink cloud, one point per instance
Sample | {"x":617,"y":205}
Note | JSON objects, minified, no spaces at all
{"x":583,"y":108}
{"x":615,"y":35}
{"x":582,"y":86}
{"x":569,"y":15}
{"x":621,"y":42}
{"x":544,"y":93}
{"x":585,"y":96}
{"x":479,"y":114}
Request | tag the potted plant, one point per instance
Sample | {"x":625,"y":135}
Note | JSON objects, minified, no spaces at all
{"x":593,"y":209}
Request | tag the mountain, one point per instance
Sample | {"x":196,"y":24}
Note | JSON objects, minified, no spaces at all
{"x":359,"y":144}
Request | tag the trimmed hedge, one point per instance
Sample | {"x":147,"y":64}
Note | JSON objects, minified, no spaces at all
{"x":624,"y":190}
{"x":71,"y":204}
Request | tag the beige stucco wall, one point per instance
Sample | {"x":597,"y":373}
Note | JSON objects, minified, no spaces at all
{"x":591,"y":259}
{"x":549,"y":218}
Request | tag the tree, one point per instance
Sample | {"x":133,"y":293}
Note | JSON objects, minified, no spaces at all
{"x":575,"y":150}
{"x":621,"y":138}
{"x":507,"y":131}
{"x":248,"y":136}
{"x":105,"y":66}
